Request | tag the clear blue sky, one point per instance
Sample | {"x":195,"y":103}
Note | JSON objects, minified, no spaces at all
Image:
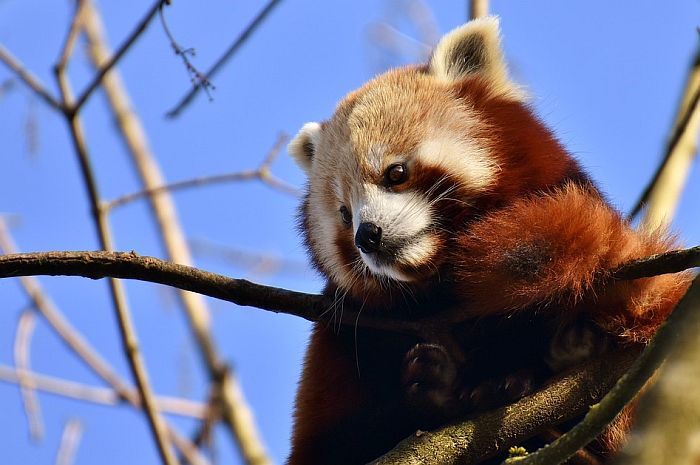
{"x":606,"y":75}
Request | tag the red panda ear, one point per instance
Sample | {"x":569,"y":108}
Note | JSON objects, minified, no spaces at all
{"x":303,"y":146}
{"x":474,"y":49}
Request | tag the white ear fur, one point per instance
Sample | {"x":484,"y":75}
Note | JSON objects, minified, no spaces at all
{"x":303,"y":146}
{"x":475,"y":49}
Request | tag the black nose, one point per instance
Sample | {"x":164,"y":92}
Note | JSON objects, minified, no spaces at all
{"x":368,"y":237}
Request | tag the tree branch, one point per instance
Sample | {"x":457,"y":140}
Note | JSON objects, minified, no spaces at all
{"x":22,"y":355}
{"x":72,"y":433}
{"x":28,"y":78}
{"x":474,"y":440}
{"x":311,"y":307}
{"x":664,"y":189}
{"x":123,"y":48}
{"x":262,"y":173}
{"x":97,"y":395}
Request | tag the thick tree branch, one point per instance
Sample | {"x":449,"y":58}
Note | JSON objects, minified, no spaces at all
{"x":627,"y":387}
{"x":130,"y":265}
{"x":472,"y":441}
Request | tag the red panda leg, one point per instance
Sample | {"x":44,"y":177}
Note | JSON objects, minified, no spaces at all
{"x":328,"y":391}
{"x":350,"y":406}
{"x":548,"y":253}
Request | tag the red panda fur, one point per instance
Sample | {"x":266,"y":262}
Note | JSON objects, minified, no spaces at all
{"x":522,"y":252}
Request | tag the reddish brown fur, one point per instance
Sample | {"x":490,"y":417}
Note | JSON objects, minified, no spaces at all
{"x":537,"y":244}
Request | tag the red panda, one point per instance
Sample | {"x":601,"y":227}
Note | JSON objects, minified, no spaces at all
{"x":434,"y":188}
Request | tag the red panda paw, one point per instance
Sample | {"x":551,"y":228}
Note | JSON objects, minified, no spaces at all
{"x":429,"y":378}
{"x":576,"y":343}
{"x":497,"y":392}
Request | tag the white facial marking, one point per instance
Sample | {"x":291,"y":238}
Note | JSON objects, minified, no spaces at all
{"x":403,"y":217}
{"x":399,"y":214}
{"x":463,"y":157}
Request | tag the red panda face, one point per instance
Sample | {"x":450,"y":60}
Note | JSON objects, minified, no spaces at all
{"x":398,"y":159}
{"x":401,"y":164}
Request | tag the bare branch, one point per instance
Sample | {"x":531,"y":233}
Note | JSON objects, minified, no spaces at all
{"x":669,"y":262}
{"x":70,"y":336}
{"x":130,"y":265}
{"x":472,"y":441}
{"x":478,"y":8}
{"x":71,"y":37}
{"x":28,"y":78}
{"x":97,"y":395}
{"x":72,"y":433}
{"x":662,"y":193}
{"x":262,"y":174}
{"x":230,"y":52}
{"x":123,"y":48}
{"x":601,"y":415}
{"x":22,"y":354}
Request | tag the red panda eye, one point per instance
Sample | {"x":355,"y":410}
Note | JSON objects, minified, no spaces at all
{"x":345,"y":215}
{"x":396,"y":174}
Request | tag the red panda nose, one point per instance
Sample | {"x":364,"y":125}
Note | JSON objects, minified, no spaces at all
{"x":368,"y":237}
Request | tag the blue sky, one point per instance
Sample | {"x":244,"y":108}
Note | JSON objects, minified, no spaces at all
{"x":605,"y":75}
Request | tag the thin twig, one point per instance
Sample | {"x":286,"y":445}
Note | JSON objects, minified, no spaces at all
{"x":666,"y":184}
{"x":196,"y":77}
{"x":72,"y":433}
{"x":101,"y":222}
{"x":28,"y":78}
{"x":97,"y":395}
{"x":262,"y":173}
{"x":123,"y":48}
{"x":22,"y":354}
{"x":230,"y":52}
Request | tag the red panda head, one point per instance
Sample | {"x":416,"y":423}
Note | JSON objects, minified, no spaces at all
{"x":408,"y":159}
